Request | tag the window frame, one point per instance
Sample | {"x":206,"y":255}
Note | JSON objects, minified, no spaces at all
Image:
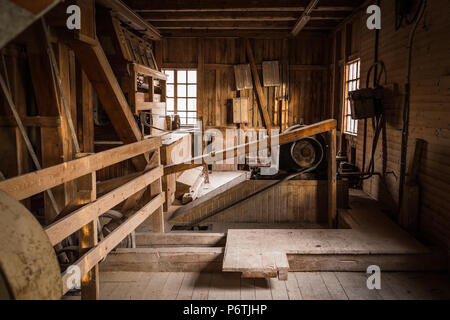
{"x":175,"y":97}
{"x":351,"y":83}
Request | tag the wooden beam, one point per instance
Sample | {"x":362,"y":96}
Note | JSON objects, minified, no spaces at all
{"x":96,"y":254}
{"x":237,"y":5}
{"x":224,"y":25}
{"x":241,"y":26}
{"x":184,"y":259}
{"x":129,"y":17}
{"x":248,"y":33}
{"x":284,"y":138}
{"x":332,"y":180}
{"x":85,"y":111}
{"x":304,"y":19}
{"x":97,"y":68}
{"x":40,"y":122}
{"x":284,"y":104}
{"x":109,"y":185}
{"x":45,"y":92}
{"x":87,"y":185}
{"x":88,"y":236}
{"x":73,"y":222}
{"x":158,"y":223}
{"x":186,"y":239}
{"x":33,"y":183}
{"x":241,"y":16}
{"x":260,"y":97}
{"x":15,"y":159}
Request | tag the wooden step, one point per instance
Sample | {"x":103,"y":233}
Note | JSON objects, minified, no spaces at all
{"x":184,"y":259}
{"x":180,"y":239}
{"x":373,"y":239}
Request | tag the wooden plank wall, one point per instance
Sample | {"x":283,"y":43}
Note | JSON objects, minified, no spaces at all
{"x":292,"y":201}
{"x":309,"y":74}
{"x":429,"y":118}
{"x":36,"y":96}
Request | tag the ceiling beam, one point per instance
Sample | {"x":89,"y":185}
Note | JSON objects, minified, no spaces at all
{"x":131,"y":18}
{"x":305,"y":18}
{"x":248,"y":33}
{"x":238,"y":25}
{"x":243,"y":25}
{"x":242,"y":16}
{"x":211,"y":33}
{"x":238,"y":5}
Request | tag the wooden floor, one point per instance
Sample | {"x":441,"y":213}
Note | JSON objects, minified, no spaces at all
{"x":300,"y":286}
{"x":256,"y":252}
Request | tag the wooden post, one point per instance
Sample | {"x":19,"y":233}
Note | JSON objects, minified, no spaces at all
{"x":201,"y":111}
{"x":13,"y":145}
{"x":155,"y":189}
{"x":47,"y":103}
{"x":332,"y":191}
{"x":88,"y":237}
{"x":87,"y":186}
{"x":260,"y":97}
{"x":86,"y":193}
{"x":283,"y":110}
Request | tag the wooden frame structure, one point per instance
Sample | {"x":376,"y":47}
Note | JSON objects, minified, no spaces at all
{"x":85,"y":218}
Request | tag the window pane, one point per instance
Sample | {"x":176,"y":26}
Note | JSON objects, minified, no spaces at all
{"x":181,"y":104}
{"x":170,"y":90}
{"x":192,"y":91}
{"x":170,"y":75}
{"x":192,"y":76}
{"x":192,"y":121}
{"x":192,"y":104}
{"x":353,"y":83}
{"x":170,"y":113}
{"x":183,"y":121}
{"x":181,"y":90}
{"x":182,"y":114}
{"x":170,"y":104}
{"x":192,"y":114}
{"x":181,"y":74}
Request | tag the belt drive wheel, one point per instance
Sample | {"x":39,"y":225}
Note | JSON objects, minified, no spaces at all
{"x":29,"y":268}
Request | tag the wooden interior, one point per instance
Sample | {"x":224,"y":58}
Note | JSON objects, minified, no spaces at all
{"x":210,"y":149}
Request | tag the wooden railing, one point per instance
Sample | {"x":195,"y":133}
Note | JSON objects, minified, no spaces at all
{"x":85,"y":218}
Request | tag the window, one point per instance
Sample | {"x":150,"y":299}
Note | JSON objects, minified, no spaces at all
{"x":352,"y":80}
{"x":182,"y":95}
